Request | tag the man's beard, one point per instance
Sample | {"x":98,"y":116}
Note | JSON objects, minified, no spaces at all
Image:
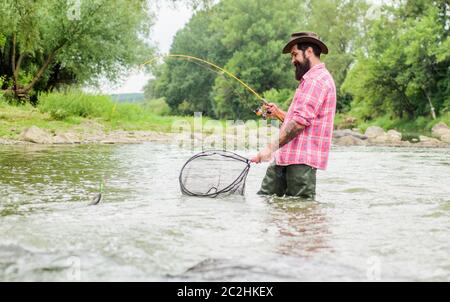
{"x":302,"y":68}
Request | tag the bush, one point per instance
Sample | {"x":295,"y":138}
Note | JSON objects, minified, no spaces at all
{"x":345,"y":121}
{"x":157,"y":106}
{"x":63,"y":105}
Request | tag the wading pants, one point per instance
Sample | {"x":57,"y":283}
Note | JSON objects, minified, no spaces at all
{"x":292,"y":180}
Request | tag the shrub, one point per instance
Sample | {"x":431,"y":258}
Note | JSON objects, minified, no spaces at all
{"x":157,"y":106}
{"x":63,"y":105}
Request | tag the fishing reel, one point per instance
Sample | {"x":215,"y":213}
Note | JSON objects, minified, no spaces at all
{"x":262,"y":112}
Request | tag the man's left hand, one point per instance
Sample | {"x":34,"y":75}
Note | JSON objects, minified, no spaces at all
{"x":262,"y":156}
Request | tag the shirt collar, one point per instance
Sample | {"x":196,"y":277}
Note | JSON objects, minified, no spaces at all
{"x":308,"y":75}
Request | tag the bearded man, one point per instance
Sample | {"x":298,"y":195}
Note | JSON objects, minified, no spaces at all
{"x":305,"y":135}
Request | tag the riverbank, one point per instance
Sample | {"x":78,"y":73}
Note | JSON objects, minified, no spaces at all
{"x":124,"y":124}
{"x":92,"y":132}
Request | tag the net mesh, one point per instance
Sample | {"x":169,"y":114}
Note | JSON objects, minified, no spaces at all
{"x":212,"y":173}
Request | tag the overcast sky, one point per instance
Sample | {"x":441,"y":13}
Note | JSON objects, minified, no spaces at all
{"x":169,"y":21}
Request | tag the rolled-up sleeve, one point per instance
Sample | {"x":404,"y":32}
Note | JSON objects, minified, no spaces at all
{"x":308,"y":100}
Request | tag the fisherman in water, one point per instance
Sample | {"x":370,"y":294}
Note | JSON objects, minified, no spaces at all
{"x":305,"y":135}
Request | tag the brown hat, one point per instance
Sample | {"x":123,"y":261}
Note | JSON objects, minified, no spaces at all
{"x":305,"y":37}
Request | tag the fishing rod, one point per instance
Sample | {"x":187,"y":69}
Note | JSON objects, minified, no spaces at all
{"x":262,"y":111}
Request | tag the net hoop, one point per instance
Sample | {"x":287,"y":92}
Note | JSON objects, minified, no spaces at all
{"x":240,"y":179}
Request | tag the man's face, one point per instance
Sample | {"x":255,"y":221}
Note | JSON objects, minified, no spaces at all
{"x":300,"y":61}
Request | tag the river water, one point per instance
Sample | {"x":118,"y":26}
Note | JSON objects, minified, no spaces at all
{"x":380,"y":214}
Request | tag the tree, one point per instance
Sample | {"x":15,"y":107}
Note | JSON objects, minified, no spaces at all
{"x":254,"y":32}
{"x":49,"y":42}
{"x":187,"y":85}
{"x":405,"y":71}
{"x":341,"y":24}
{"x":246,"y":38}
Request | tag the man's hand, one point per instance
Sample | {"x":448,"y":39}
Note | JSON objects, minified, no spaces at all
{"x":288,"y":133}
{"x":274,"y":112}
{"x":262,"y":156}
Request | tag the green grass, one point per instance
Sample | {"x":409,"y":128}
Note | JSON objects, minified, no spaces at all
{"x":61,"y":112}
{"x":15,"y":118}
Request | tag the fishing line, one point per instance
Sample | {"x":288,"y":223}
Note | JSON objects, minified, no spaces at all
{"x":190,"y":58}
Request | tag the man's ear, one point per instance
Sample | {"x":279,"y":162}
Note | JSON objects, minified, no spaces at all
{"x":309,"y":52}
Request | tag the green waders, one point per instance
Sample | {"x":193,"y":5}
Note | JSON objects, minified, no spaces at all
{"x":292,"y":180}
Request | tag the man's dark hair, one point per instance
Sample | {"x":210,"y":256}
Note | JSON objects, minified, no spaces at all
{"x":315,"y":48}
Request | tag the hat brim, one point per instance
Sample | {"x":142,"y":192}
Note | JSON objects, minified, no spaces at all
{"x":294,"y":41}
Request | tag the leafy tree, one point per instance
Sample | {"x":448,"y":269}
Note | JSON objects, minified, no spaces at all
{"x":186,"y":85}
{"x":341,"y":23}
{"x":246,"y":38}
{"x":255,"y":32}
{"x":49,"y":42}
{"x":405,"y":71}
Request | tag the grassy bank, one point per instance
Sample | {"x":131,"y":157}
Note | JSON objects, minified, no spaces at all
{"x":75,"y":111}
{"x":62,"y":112}
{"x":58,"y":112}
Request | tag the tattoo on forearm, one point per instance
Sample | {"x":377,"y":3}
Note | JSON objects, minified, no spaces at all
{"x":291,"y":130}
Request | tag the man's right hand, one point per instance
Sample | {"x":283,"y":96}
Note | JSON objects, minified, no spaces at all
{"x":274,"y":112}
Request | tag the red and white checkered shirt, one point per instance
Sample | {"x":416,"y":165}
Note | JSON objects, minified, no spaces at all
{"x":314,"y":106}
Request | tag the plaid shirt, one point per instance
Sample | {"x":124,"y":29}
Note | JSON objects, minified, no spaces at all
{"x":313,"y":106}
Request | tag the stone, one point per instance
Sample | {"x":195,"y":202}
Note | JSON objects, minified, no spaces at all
{"x":380,"y":139}
{"x":35,"y":135}
{"x":374,"y":131}
{"x":63,"y":139}
{"x":426,"y":141}
{"x":446,"y":138}
{"x":439,"y":130}
{"x":394,"y":136}
{"x":348,"y":132}
{"x":349,"y":141}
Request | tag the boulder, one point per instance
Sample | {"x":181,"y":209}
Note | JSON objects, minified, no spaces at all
{"x":439,"y":130}
{"x":349,"y":140}
{"x":394,"y":136}
{"x":374,"y":131}
{"x":380,"y":139}
{"x":65,"y":138}
{"x":446,"y":138}
{"x":426,"y":141}
{"x":391,"y":138}
{"x":347,"y":132}
{"x":35,"y":135}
